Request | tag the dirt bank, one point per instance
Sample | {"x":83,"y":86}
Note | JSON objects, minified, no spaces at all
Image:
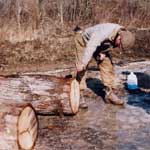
{"x":42,"y":55}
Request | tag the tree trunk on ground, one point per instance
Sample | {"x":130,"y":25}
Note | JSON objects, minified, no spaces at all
{"x":18,"y":127}
{"x":47,"y":94}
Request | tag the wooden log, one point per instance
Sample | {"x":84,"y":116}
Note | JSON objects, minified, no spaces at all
{"x":47,"y":94}
{"x":54,"y":94}
{"x":18,"y":127}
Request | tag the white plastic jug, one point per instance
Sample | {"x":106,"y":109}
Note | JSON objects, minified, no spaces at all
{"x":132,"y":82}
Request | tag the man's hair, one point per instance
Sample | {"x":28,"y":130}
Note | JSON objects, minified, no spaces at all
{"x":77,"y":29}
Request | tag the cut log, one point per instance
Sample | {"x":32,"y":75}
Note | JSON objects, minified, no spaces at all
{"x":47,"y":94}
{"x":54,"y":94}
{"x":19,"y":127}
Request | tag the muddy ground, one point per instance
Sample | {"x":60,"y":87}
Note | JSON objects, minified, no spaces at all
{"x":102,"y":126}
{"x":59,"y":52}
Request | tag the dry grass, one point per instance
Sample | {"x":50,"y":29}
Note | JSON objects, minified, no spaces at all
{"x":31,"y":19}
{"x":40,"y":31}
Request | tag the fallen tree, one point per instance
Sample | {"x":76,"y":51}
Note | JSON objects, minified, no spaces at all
{"x":47,"y":94}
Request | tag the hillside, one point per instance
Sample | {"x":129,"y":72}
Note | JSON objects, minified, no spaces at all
{"x":40,"y":32}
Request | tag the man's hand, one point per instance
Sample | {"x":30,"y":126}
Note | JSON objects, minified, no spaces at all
{"x":80,"y":67}
{"x":102,"y":56}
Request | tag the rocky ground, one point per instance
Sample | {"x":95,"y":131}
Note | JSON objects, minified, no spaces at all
{"x":102,"y":126}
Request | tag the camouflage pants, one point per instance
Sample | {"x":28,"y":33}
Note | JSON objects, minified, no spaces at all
{"x":106,"y":68}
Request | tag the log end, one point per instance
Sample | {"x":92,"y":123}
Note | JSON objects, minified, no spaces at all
{"x":74,"y":96}
{"x":27,"y":128}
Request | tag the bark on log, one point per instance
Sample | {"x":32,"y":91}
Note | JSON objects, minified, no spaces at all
{"x":18,"y":127}
{"x":47,"y":94}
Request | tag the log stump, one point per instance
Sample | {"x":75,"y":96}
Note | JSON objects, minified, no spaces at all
{"x":18,"y":127}
{"x":47,"y":94}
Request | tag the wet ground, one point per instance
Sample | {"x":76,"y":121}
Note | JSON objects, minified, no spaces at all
{"x":102,"y":126}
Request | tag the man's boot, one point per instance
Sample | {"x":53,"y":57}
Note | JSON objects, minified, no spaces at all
{"x":113,"y":98}
{"x":83,"y":104}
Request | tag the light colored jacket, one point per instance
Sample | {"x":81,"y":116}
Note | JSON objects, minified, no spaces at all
{"x":94,"y":36}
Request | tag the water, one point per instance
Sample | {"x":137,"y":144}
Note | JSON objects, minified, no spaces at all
{"x":139,"y":99}
{"x":102,"y":126}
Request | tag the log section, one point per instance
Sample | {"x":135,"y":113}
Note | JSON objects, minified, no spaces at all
{"x":54,"y":94}
{"x":18,"y":127}
{"x":47,"y":94}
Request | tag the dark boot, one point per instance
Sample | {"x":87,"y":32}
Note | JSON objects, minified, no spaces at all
{"x":83,"y":104}
{"x":113,"y":98}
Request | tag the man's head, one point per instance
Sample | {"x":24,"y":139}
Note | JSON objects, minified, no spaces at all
{"x":125,"y":40}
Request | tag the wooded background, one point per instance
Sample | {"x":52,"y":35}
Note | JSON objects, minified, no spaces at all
{"x":32,"y":30}
{"x":54,"y":16}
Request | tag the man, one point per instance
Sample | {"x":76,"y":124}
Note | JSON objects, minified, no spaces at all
{"x":97,"y":41}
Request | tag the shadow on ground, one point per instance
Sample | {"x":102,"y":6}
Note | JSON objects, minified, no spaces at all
{"x":96,"y":86}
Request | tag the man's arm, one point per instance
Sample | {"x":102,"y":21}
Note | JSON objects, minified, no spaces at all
{"x":95,"y":41}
